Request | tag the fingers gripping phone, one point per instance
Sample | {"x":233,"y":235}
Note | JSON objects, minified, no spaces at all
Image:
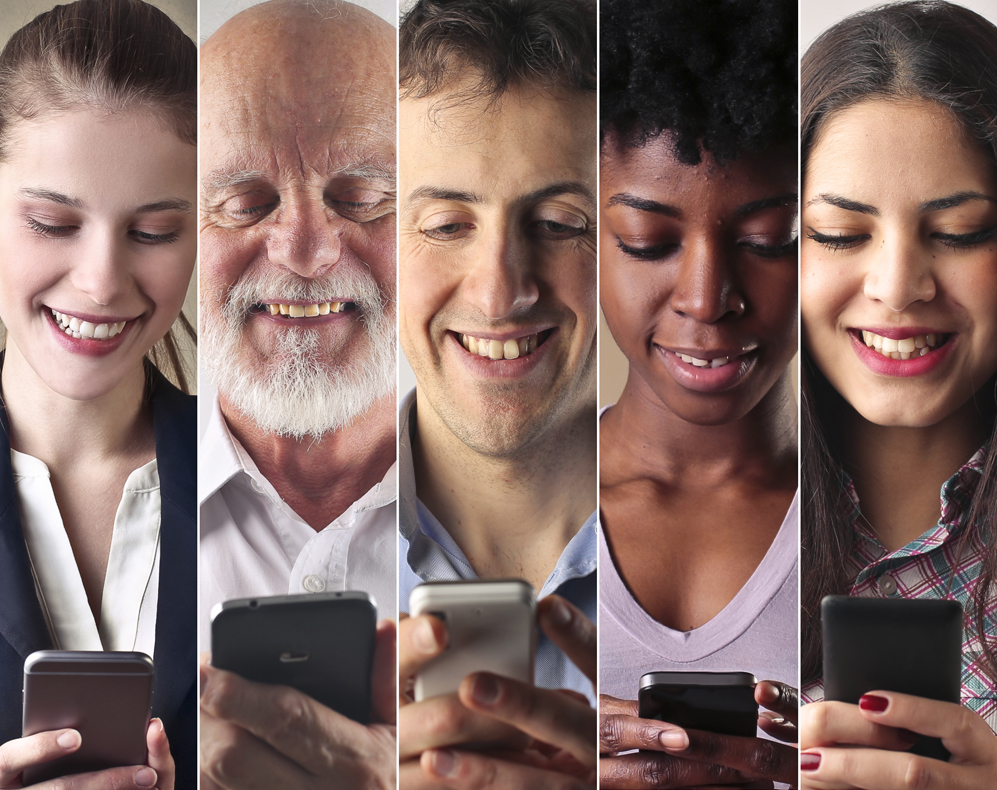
{"x":321,"y":644}
{"x":719,"y":702}
{"x":491,"y":627}
{"x":907,"y":646}
{"x":106,"y":697}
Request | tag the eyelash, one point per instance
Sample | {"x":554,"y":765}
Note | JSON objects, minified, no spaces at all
{"x":961,"y":241}
{"x":661,"y":250}
{"x":61,"y":231}
{"x":544,"y":229}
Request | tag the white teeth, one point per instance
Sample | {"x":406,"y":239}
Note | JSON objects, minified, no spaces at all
{"x":306,"y":310}
{"x":904,"y":348}
{"x":514,"y":348}
{"x":74,"y":327}
{"x":717,"y":362}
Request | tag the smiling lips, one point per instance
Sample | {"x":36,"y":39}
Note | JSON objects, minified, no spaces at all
{"x":74,"y":327}
{"x":514,"y":348}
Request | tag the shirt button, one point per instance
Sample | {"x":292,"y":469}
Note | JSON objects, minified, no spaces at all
{"x":888,"y":585}
{"x":257,"y":487}
{"x":313,"y":583}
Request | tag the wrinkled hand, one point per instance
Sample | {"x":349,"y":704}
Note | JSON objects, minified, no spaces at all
{"x":260,"y":736}
{"x":674,"y":757}
{"x":865,"y":746}
{"x":540,"y":738}
{"x":20,"y":753}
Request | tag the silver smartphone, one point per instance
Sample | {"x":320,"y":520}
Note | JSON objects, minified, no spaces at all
{"x":491,"y":627}
{"x":106,"y":697}
{"x":322,"y":644}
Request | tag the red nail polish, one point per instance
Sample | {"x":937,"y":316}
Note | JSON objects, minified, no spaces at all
{"x":873,"y":703}
{"x":809,"y":762}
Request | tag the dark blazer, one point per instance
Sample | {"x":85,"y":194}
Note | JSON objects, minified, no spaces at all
{"x":22,"y":624}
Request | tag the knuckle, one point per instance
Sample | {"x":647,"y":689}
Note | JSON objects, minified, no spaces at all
{"x":221,"y":757}
{"x":611,"y":734}
{"x":441,"y":721}
{"x":293,"y":713}
{"x":220,"y":694}
{"x":766,"y":760}
{"x":657,"y":772}
{"x":917,"y":774}
{"x":709,"y":748}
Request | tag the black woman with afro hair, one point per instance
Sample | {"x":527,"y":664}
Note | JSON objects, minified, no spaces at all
{"x":698,"y":470}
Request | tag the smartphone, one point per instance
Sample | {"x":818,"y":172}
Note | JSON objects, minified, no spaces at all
{"x":491,"y":627}
{"x":322,"y":644}
{"x":907,"y":646}
{"x":720,"y":702}
{"x":106,"y":697}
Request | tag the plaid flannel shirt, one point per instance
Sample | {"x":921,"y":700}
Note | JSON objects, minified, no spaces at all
{"x":929,"y":567}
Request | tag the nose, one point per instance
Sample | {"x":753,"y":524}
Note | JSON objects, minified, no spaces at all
{"x":102,"y":269}
{"x":500,"y":280}
{"x":305,"y":238}
{"x":706,"y":288}
{"x":900,"y":274}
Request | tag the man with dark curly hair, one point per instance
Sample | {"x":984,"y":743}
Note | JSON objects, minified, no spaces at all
{"x":497,"y":266}
{"x":698,"y":465}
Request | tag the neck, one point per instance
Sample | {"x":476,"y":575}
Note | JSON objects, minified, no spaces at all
{"x":67,"y":433}
{"x":321,"y":477}
{"x":511,"y":515}
{"x":761,"y":445}
{"x":898,"y":471}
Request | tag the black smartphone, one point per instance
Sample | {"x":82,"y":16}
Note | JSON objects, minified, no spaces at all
{"x":322,"y":644}
{"x":106,"y":697}
{"x":907,"y":646}
{"x":720,"y":702}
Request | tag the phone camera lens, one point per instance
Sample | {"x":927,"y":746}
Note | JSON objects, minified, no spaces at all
{"x":254,"y":604}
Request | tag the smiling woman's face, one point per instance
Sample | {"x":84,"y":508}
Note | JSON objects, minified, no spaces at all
{"x":698,"y":274}
{"x":97,"y":244}
{"x":899,"y":261}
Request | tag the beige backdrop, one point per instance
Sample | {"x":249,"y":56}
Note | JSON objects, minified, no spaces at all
{"x":14,"y":14}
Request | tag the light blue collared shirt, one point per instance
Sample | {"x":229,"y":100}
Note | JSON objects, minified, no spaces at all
{"x":428,"y":553}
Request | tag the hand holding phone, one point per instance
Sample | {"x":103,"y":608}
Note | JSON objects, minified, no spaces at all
{"x":671,"y":756}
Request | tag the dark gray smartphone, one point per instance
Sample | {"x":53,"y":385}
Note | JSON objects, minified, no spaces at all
{"x":907,"y":646}
{"x":720,"y":702}
{"x":322,"y":644}
{"x":107,"y":697}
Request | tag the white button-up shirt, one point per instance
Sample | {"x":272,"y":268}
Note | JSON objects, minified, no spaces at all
{"x":254,"y":544}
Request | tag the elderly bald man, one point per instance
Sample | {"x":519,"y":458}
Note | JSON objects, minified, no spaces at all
{"x":297,"y":478}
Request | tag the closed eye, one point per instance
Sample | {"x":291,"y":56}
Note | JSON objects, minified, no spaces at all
{"x":652,"y":253}
{"x":837,"y":242}
{"x":964,"y":241}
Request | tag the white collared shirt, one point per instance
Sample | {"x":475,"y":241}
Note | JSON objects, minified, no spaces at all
{"x":254,"y":544}
{"x":131,"y":584}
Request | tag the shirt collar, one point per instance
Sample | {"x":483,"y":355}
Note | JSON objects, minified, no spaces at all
{"x":222,"y":457}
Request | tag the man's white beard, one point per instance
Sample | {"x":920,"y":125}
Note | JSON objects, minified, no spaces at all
{"x":295,"y":394}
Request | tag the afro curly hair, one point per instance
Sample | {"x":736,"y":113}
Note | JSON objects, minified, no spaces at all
{"x":719,"y":75}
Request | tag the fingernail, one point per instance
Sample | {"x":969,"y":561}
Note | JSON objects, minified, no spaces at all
{"x":444,"y":762}
{"x":908,"y":736}
{"x":485,"y":690}
{"x":673,"y":739}
{"x":145,"y":777}
{"x":423,"y":637}
{"x":559,"y":613}
{"x":809,"y":761}
{"x":70,"y":739}
{"x":873,"y":703}
{"x":777,"y":720}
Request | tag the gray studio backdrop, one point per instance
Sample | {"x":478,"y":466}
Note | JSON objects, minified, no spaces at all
{"x":14,"y":14}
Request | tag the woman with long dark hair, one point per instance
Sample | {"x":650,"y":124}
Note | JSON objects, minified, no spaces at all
{"x":98,"y":236}
{"x":899,"y":304}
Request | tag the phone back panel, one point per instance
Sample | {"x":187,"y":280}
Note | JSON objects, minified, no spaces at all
{"x":322,"y":644}
{"x":907,"y":646}
{"x":107,"y":697}
{"x":724,"y":704}
{"x":491,"y":628}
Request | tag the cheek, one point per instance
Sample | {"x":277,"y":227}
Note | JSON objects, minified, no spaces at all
{"x":225,"y":255}
{"x":630,"y":299}
{"x":824,"y":290}
{"x":169,"y":277}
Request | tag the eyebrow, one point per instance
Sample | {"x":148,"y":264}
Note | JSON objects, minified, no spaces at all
{"x":844,"y":203}
{"x":643,"y":204}
{"x":53,"y":197}
{"x":220,"y":180}
{"x":170,"y":204}
{"x":425,"y":193}
{"x":953,"y":200}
